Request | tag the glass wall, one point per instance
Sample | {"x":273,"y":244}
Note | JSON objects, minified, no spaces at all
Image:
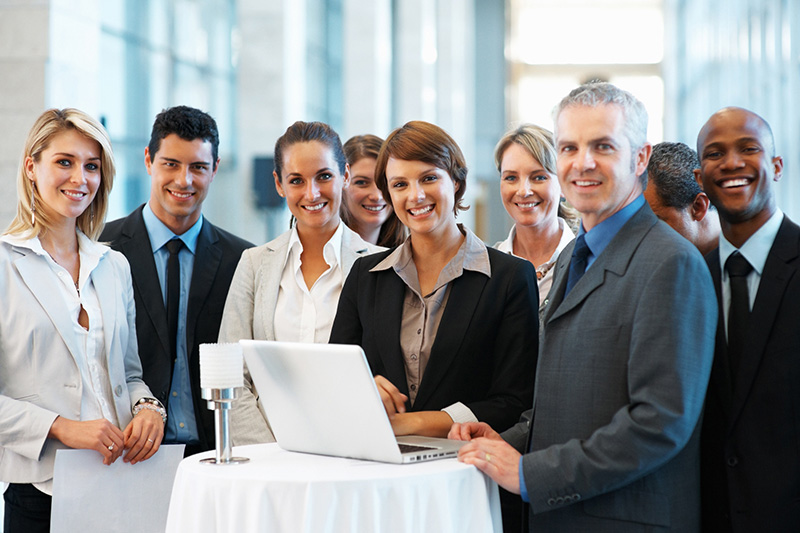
{"x":555,"y":45}
{"x":155,"y":54}
{"x":743,"y":53}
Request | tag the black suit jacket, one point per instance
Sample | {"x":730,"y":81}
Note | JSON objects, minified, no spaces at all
{"x":215,"y":261}
{"x":486,"y":346}
{"x":751,"y":429}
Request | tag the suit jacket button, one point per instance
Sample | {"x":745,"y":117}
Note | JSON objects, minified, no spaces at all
{"x":118,"y":390}
{"x":576,"y":496}
{"x":551,"y":502}
{"x":732,"y":461}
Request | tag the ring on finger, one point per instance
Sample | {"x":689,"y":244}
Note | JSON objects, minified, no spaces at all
{"x":111,"y":447}
{"x":488,"y":458}
{"x":151,"y":441}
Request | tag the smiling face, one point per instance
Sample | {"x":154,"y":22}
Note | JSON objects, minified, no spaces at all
{"x":423,"y":196}
{"x":67,"y":174}
{"x":597,"y":168}
{"x":181,"y":173}
{"x":362,"y":197}
{"x":530,"y":194}
{"x":312,"y":186}
{"x":737,"y":168}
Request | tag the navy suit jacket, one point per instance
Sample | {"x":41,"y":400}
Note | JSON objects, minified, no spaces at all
{"x":751,"y":428}
{"x":215,"y":262}
{"x":485,"y":350}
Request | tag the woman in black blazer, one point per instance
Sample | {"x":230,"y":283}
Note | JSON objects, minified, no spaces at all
{"x":449,"y":326}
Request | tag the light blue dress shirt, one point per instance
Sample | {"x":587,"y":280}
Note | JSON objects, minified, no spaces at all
{"x":597,"y":239}
{"x":181,"y":424}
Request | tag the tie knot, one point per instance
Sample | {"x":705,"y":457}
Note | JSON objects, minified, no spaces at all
{"x":581,"y":250}
{"x":174,"y":246}
{"x":737,"y":265}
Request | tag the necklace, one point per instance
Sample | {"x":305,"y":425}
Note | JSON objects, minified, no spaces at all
{"x":544,"y":269}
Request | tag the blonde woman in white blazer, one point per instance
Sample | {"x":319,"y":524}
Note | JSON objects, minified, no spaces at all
{"x":70,"y":375}
{"x":288,"y":289}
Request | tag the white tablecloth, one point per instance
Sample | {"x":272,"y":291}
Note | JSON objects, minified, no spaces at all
{"x":280,"y":491}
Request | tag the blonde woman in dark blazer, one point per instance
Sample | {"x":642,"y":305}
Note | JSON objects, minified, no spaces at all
{"x":70,"y":375}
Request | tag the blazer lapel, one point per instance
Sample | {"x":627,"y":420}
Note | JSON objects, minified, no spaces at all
{"x":107,"y":294}
{"x":465,"y":293}
{"x":352,"y":249}
{"x":615,"y":259}
{"x":139,"y":252}
{"x":772,"y":287}
{"x":387,"y":320}
{"x":108,"y":290}
{"x":559,"y":286}
{"x":37,"y":276}
{"x":206,"y":263}
{"x":270,"y":281}
{"x":721,"y":371}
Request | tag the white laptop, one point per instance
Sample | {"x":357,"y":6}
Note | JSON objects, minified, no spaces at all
{"x":322,"y":399}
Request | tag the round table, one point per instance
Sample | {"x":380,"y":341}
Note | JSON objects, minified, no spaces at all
{"x":280,"y":491}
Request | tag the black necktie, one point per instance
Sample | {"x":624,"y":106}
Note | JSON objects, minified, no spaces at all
{"x":739,"y":310}
{"x":577,"y":266}
{"x":173,"y":293}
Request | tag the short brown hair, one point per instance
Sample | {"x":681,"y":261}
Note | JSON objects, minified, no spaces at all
{"x":426,"y":142}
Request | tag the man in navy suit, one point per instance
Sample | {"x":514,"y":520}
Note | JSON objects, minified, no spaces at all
{"x":751,"y":427}
{"x":182,"y":160}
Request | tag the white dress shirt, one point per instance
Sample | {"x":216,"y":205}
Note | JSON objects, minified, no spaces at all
{"x":303,"y":314}
{"x":544,"y":272}
{"x":755,"y":250}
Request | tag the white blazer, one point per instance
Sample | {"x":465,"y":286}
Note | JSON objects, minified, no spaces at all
{"x":250,"y":312}
{"x":39,"y":375}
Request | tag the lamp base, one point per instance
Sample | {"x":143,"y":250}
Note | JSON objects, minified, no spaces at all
{"x":231,"y":461}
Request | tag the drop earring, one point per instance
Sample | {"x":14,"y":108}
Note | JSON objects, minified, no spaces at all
{"x":33,"y":205}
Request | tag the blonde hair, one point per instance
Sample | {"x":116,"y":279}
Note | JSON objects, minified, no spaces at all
{"x":539,"y":142}
{"x":49,"y":124}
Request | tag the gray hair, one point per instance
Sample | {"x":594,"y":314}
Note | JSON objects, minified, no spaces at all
{"x":671,"y":171}
{"x":597,"y":93}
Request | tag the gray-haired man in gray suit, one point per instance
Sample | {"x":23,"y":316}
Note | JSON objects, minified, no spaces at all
{"x":612,"y":441}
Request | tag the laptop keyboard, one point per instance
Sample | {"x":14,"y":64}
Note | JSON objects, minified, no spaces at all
{"x":411,"y":448}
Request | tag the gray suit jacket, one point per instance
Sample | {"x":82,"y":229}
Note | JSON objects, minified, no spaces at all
{"x":623,"y":368}
{"x":250,"y":312}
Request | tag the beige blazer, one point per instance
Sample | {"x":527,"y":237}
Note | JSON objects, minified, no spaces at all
{"x":39,"y":376}
{"x":249,"y":314}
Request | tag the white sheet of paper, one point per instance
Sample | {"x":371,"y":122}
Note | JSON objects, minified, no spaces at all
{"x":90,"y":496}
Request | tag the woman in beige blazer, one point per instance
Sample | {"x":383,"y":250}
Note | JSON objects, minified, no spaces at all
{"x":70,"y":375}
{"x":288,"y":289}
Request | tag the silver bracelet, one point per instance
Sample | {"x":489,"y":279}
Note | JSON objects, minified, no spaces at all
{"x":151,"y":404}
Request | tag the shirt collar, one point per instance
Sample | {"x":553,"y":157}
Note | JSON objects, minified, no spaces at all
{"x":331,"y":252}
{"x":757,"y":247}
{"x":89,"y":250}
{"x":475,"y":255}
{"x":599,"y":237}
{"x":159,"y":233}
